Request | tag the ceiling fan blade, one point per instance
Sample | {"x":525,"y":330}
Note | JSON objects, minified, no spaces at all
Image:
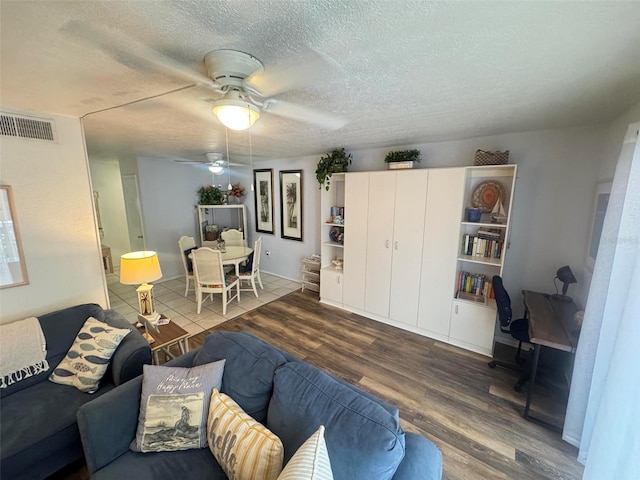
{"x":297,"y":112}
{"x":302,"y":72}
{"x":130,"y":52}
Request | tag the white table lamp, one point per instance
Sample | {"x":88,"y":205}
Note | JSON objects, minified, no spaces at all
{"x":138,"y":268}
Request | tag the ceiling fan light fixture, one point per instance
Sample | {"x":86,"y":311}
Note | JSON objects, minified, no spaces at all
{"x":216,"y":169}
{"x":236,"y":114}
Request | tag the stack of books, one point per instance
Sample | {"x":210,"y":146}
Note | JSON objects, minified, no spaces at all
{"x":474,"y":286}
{"x":486,"y":243}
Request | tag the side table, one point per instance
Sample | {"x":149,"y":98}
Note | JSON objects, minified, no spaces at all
{"x":165,"y":337}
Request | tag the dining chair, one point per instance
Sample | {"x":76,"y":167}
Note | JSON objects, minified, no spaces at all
{"x":252,"y":269}
{"x":210,"y":277}
{"x":186,"y":245}
{"x":233,"y":238}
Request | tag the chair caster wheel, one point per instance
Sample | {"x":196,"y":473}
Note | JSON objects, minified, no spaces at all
{"x":492,"y":364}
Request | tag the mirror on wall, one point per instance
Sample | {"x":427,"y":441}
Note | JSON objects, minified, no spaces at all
{"x":13,"y":268}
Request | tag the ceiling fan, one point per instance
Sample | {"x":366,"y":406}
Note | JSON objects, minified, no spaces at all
{"x":214,"y":161}
{"x":244,"y":89}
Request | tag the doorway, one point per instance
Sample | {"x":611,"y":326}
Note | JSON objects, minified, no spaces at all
{"x":133,"y":211}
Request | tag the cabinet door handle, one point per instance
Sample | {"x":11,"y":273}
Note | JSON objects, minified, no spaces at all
{"x":339,"y":280}
{"x":456,"y":309}
{"x":396,"y":244}
{"x":386,"y":244}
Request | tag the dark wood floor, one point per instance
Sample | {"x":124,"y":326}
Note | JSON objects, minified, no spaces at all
{"x":447,"y":394}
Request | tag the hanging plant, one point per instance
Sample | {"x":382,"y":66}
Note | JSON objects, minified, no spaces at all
{"x":336,"y":161}
{"x":210,"y":195}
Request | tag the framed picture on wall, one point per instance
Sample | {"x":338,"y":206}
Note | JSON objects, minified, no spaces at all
{"x":601,"y":202}
{"x":291,"y":204}
{"x":13,"y":268}
{"x":263,"y":181}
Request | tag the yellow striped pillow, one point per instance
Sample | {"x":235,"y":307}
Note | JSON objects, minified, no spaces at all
{"x":244,"y":448}
{"x":311,"y":460}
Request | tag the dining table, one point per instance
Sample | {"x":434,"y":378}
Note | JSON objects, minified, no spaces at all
{"x":235,"y":255}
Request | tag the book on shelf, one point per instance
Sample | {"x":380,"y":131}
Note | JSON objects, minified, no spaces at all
{"x":477,"y":284}
{"x":476,"y":246}
{"x":489,"y":233}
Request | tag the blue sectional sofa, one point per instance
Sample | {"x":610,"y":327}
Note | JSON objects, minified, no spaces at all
{"x":291,"y":397}
{"x":38,"y":425}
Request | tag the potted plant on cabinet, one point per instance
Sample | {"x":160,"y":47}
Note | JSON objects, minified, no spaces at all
{"x":402,"y":159}
{"x":210,"y":195}
{"x":336,"y":161}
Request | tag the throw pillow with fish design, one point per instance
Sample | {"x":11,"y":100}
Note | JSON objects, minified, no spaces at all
{"x":88,"y":358}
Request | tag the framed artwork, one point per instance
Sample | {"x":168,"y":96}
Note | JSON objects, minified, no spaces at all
{"x":13,"y":268}
{"x":291,"y":204}
{"x":601,"y":202}
{"x":263,"y":181}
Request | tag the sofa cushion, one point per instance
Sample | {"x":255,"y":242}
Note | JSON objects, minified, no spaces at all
{"x":244,"y":448}
{"x":311,"y":461}
{"x":171,"y":465}
{"x":60,"y":329}
{"x":248,"y":373}
{"x":174,"y":407}
{"x":363,"y":439}
{"x":33,"y":423}
{"x":88,"y":358}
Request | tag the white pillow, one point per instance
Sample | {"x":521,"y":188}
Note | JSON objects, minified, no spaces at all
{"x":311,"y":461}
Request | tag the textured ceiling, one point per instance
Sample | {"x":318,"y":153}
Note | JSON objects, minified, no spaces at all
{"x":402,"y":72}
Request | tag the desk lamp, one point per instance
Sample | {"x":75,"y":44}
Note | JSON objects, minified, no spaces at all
{"x":138,"y":268}
{"x":565,"y":275}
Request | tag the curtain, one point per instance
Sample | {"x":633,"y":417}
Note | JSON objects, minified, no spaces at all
{"x":603,"y":411}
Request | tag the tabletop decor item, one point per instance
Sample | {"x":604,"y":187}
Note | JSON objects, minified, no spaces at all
{"x":474,"y":214}
{"x":237,"y":190}
{"x":336,"y":161}
{"x":483,"y":157}
{"x":402,"y":159}
{"x":486,"y":194}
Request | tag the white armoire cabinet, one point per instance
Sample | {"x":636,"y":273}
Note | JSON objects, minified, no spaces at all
{"x":440,"y":249}
{"x":355,"y":241}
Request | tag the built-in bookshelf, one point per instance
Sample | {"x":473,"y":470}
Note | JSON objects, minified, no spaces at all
{"x":483,"y":244}
{"x":333,"y":230}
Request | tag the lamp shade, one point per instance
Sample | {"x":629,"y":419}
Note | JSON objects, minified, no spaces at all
{"x":234,"y":112}
{"x":139,"y":267}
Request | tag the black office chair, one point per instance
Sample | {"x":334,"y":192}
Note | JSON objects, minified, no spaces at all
{"x":519,"y":329}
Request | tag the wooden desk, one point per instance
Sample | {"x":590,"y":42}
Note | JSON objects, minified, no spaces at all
{"x":552,"y":325}
{"x":167,"y":336}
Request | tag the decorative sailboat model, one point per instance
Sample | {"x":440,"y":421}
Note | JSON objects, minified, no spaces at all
{"x":498,"y":215}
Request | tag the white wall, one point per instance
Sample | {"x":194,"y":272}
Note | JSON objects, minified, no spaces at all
{"x":54,"y":205}
{"x":557,"y":173}
{"x":106,"y":180}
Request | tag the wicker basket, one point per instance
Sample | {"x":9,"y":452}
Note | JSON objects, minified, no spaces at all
{"x":483,"y":157}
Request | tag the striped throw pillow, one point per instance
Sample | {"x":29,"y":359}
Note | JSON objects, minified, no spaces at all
{"x":311,"y":461}
{"x":244,"y":448}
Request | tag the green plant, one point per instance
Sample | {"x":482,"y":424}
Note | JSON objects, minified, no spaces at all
{"x":336,"y":161}
{"x":403,"y":156}
{"x":210,"y":195}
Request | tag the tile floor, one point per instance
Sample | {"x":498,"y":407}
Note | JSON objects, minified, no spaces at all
{"x":170,"y":300}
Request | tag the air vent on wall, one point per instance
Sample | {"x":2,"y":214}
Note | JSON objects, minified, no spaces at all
{"x":27,"y":127}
